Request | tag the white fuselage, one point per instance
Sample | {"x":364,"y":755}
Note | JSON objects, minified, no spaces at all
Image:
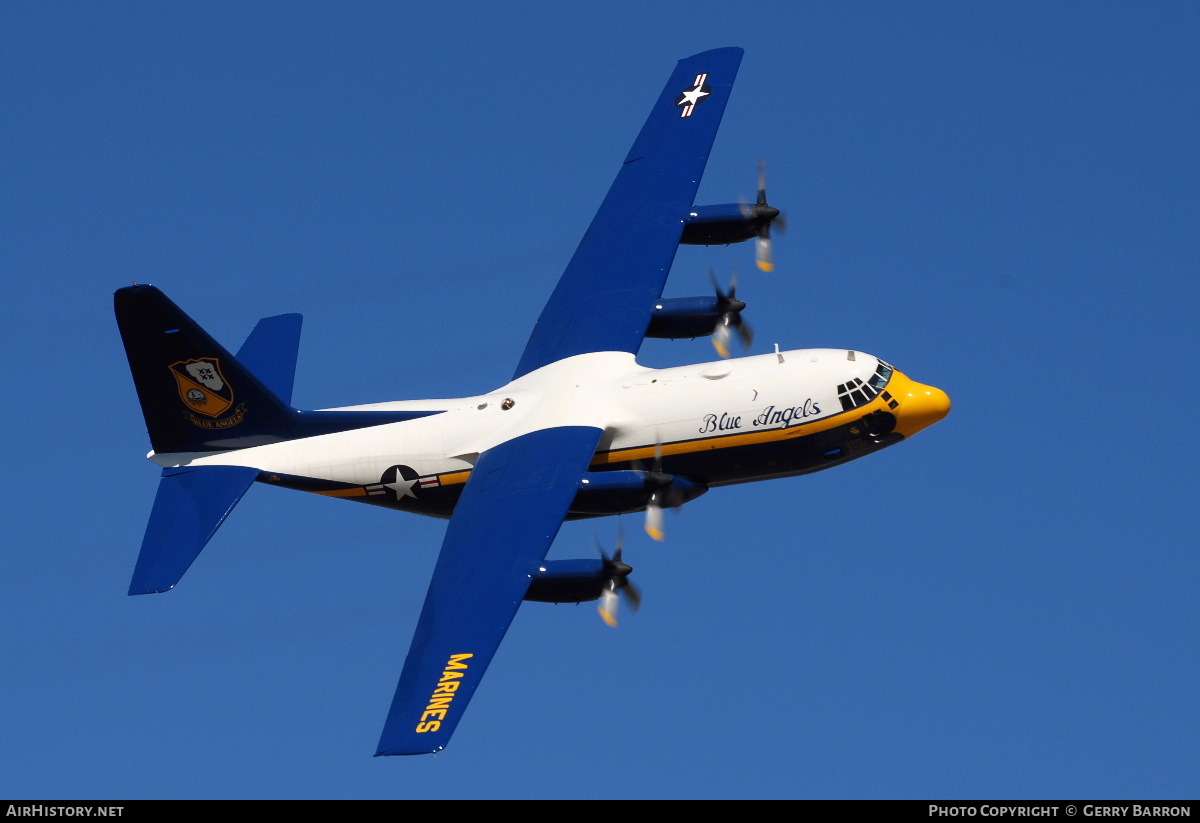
{"x":701,"y":418}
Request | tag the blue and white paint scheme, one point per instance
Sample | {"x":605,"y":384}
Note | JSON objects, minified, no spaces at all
{"x":581,"y":430}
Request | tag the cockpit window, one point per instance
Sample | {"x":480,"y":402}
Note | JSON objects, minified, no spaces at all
{"x":883,"y":373}
{"x":857,"y":393}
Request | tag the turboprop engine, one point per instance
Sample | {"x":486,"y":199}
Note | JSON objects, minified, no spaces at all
{"x":575,"y":581}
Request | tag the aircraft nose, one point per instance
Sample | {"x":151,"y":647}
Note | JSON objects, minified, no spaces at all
{"x":920,"y":406}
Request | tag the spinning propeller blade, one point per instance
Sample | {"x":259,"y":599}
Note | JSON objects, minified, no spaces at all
{"x":731,"y":316}
{"x":618,"y":583}
{"x":654,"y":518}
{"x":767,"y":215}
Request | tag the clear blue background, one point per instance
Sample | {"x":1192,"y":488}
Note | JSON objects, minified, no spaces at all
{"x":999,"y":198}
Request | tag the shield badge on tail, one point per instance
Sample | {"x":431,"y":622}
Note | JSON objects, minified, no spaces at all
{"x":202,"y":387}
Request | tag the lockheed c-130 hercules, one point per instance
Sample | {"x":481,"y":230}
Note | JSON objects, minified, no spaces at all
{"x":581,"y":430}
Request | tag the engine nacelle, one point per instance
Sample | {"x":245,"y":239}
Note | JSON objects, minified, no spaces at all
{"x":568,"y":581}
{"x":723,"y":224}
{"x":685,"y":317}
{"x":629,"y":490}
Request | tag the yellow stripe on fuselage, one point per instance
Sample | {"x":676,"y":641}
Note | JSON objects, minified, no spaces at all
{"x":355,"y":492}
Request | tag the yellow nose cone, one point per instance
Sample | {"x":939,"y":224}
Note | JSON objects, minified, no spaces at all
{"x":920,"y":406}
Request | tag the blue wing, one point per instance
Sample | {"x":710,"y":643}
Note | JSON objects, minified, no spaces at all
{"x":519,"y":492}
{"x":507,"y":517}
{"x":605,"y":298}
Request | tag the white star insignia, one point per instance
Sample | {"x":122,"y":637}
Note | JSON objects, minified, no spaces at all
{"x":692,"y":96}
{"x":402,"y":488}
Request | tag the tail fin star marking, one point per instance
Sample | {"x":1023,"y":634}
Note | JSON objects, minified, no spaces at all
{"x":690,"y":98}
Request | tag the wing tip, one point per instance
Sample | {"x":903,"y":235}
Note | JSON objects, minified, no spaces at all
{"x":383,"y":752}
{"x":135,"y":589}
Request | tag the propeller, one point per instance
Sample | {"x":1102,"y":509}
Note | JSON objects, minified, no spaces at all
{"x":654,"y":509}
{"x":765,"y":215}
{"x":731,"y":316}
{"x":665,"y":495}
{"x":617,"y":583}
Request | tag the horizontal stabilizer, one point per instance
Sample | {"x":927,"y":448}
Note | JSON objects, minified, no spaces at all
{"x":270,"y":353}
{"x":191,"y":504}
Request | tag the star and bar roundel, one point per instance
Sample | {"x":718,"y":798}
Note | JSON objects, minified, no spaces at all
{"x":401,"y":482}
{"x":690,"y":98}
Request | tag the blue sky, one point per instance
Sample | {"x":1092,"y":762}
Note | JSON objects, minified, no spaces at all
{"x":1000,"y":199}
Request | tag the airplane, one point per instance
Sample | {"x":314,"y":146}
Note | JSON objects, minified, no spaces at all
{"x":582,"y":429}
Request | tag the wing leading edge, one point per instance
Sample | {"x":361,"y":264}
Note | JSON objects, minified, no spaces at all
{"x":510,"y":511}
{"x":605,"y":297}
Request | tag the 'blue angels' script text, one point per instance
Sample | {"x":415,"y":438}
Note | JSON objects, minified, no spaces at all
{"x":771,"y":416}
